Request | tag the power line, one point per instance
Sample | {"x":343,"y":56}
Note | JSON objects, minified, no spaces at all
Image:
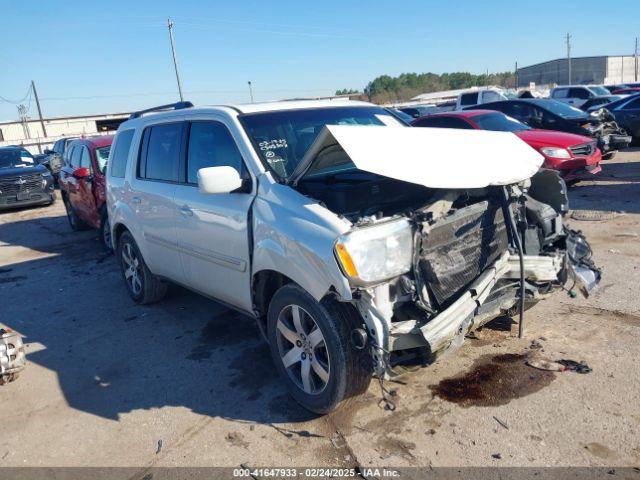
{"x":16,"y":102}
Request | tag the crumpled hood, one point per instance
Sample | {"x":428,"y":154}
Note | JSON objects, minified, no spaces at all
{"x":433,"y":157}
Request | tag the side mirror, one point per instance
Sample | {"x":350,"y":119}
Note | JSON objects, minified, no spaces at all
{"x":218,"y":180}
{"x":48,"y":152}
{"x":81,"y":172}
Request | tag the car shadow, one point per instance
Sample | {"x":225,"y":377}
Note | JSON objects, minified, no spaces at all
{"x":112,"y":357}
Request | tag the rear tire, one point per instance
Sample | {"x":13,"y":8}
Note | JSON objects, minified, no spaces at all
{"x":321,"y":369}
{"x":105,"y":231}
{"x":75,"y":222}
{"x":143,"y":286}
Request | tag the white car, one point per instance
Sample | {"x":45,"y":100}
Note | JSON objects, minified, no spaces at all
{"x":576,"y":95}
{"x":480,"y":96}
{"x":347,"y":235}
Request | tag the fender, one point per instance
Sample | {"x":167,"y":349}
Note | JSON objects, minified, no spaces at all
{"x":297,"y":242}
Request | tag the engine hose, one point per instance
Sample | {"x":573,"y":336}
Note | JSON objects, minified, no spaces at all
{"x":518,"y":243}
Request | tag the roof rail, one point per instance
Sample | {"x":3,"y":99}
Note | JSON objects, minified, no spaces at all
{"x":161,"y":108}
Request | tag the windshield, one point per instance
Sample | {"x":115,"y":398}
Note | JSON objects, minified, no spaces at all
{"x":598,"y":90}
{"x":14,"y":157}
{"x":283,"y":137}
{"x":561,"y":109}
{"x":102,"y":155}
{"x":499,"y":123}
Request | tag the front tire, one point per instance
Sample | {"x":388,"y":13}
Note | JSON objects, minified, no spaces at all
{"x":143,"y":286}
{"x":311,"y":349}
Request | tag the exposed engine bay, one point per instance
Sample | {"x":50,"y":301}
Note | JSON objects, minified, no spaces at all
{"x":610,"y":136}
{"x":469,"y":248}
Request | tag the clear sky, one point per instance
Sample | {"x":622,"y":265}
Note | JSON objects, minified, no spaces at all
{"x":114,"y":55}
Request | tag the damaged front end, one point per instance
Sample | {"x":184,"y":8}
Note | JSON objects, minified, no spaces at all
{"x":469,"y":250}
{"x":438,"y":249}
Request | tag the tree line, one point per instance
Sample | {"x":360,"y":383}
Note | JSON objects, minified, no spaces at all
{"x":388,"y":89}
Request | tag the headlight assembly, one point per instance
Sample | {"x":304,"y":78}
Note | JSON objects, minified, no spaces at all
{"x":373,"y":254}
{"x":554,"y":152}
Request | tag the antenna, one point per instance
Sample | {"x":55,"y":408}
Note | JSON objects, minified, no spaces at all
{"x":175,"y":61}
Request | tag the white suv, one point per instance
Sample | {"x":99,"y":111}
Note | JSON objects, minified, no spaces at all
{"x":347,"y":235}
{"x":577,"y":95}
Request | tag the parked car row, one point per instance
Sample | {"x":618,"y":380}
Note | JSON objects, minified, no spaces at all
{"x":571,"y":155}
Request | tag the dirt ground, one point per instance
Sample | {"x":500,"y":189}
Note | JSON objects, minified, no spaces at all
{"x":187,"y":382}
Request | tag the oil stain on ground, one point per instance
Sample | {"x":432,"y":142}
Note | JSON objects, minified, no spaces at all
{"x":224,"y":330}
{"x":493,"y":380}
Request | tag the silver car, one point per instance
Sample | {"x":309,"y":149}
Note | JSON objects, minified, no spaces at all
{"x":347,"y":235}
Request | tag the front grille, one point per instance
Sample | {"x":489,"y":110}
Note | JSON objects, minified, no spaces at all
{"x":584,"y":149}
{"x":456,"y":249}
{"x":13,"y":185}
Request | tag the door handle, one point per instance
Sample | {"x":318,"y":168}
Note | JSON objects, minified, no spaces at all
{"x":186,"y":211}
{"x":136,"y":199}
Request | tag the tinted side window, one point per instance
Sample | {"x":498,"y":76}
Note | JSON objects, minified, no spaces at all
{"x":469,"y":98}
{"x":57,"y":147}
{"x":581,"y":93}
{"x":162,"y":152}
{"x":443,"y":122}
{"x":75,"y":156}
{"x":120,"y":153}
{"x":560,"y":93}
{"x":211,"y":145}
{"x":85,"y":159}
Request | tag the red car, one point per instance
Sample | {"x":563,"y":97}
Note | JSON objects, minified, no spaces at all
{"x":626,"y":91}
{"x":83,"y":184}
{"x":571,"y":155}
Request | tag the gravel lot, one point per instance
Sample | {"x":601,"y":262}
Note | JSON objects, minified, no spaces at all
{"x":187,"y":382}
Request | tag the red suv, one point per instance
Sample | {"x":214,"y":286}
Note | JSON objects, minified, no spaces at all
{"x":83,"y":183}
{"x":571,"y":155}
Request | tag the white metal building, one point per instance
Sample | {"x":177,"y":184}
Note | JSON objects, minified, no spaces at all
{"x":608,"y":70}
{"x":30,"y":135}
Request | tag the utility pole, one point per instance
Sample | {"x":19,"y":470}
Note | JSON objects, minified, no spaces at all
{"x":22,"y":111}
{"x":569,"y":55}
{"x":250,"y":91}
{"x":35,"y":94}
{"x":517,"y":79}
{"x":175,"y":62}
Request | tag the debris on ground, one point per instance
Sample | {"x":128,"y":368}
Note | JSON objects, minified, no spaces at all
{"x":545,"y":364}
{"x":497,"y":456}
{"x":559,"y":365}
{"x":501,"y":422}
{"x":594,"y":215}
{"x":578,"y":367}
{"x":12,"y":356}
{"x":159,"y":447}
{"x":535,"y":345}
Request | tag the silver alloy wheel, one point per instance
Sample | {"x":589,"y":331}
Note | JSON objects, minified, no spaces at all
{"x":132,"y":270}
{"x":302,"y":349}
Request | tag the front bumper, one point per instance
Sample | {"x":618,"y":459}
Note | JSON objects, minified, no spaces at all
{"x":35,"y":198}
{"x":613,"y":142}
{"x":470,"y":310}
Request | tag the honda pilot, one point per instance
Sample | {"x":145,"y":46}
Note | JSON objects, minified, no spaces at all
{"x":351,"y":238}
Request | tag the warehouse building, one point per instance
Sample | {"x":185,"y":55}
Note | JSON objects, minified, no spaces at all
{"x":29,"y":132}
{"x":605,"y":70}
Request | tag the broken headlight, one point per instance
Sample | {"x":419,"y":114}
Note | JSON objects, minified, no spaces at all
{"x":373,"y":254}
